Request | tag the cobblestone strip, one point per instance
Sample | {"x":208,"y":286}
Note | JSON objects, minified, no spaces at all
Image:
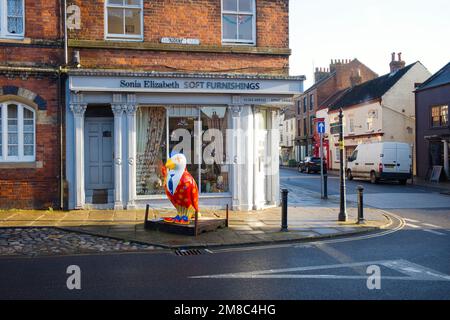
{"x":52,"y":241}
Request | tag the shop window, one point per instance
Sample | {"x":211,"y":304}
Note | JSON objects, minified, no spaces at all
{"x":214,"y":169}
{"x":12,"y":19}
{"x":439,"y":116}
{"x":124,"y":19}
{"x":151,"y":150}
{"x":17,"y":133}
{"x":238,"y":21}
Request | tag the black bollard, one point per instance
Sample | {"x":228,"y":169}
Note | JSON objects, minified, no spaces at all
{"x":361,"y":219}
{"x":284,"y":199}
{"x":325,"y":185}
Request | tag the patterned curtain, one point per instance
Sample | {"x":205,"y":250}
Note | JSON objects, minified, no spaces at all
{"x":150,"y":149}
{"x":15,"y":16}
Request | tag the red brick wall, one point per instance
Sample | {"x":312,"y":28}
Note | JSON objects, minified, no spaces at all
{"x":36,"y":187}
{"x":42,"y":19}
{"x":200,"y":19}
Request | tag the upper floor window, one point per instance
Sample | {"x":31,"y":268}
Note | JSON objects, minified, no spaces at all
{"x":12,"y":16}
{"x":238,"y":21}
{"x":124,"y":19}
{"x":17,"y":133}
{"x":439,"y":116}
{"x":305,"y":103}
{"x":351,"y":125}
{"x":311,"y":102}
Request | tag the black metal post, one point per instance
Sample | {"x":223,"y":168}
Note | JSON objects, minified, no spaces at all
{"x":147,"y":209}
{"x":325,"y":185}
{"x":284,"y":199}
{"x":361,"y":219}
{"x":343,"y":210}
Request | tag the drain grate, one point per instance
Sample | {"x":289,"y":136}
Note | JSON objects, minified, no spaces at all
{"x":191,"y":252}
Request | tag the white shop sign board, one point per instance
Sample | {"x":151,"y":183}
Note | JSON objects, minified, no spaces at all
{"x":185,"y":85}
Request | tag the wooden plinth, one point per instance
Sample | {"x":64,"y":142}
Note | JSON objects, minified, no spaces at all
{"x":203,"y":225}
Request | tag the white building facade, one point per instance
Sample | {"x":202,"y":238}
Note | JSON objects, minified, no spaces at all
{"x":122,"y":127}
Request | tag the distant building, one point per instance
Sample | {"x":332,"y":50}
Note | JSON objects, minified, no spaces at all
{"x":340,"y":75}
{"x":378,"y":110}
{"x":432,"y":123}
{"x":288,"y":132}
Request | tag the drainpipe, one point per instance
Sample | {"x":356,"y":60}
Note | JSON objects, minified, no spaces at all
{"x":66,"y":54}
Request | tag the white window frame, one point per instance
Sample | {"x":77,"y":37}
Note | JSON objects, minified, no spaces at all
{"x":20,"y":126}
{"x":4,"y":22}
{"x":124,"y":37}
{"x":239,"y":41}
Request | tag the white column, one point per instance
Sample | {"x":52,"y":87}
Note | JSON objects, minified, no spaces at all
{"x":131,"y":108}
{"x":275,"y":156}
{"x":79,"y":108}
{"x":446,"y":168}
{"x":246,"y":162}
{"x":235,"y":155}
{"x":118,"y":109}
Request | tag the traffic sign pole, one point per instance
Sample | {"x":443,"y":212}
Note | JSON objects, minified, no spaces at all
{"x":321,"y":166}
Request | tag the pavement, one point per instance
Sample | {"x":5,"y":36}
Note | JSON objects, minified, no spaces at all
{"x":255,"y":227}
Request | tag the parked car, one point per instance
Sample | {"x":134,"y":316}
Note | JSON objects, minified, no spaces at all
{"x":381,"y":161}
{"x":310,"y":164}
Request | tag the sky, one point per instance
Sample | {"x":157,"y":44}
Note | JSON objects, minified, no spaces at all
{"x":369,"y":30}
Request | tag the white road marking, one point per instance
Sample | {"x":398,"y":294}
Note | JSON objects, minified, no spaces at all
{"x":411,"y":220}
{"x":411,"y":272}
{"x":432,"y":225}
{"x":434,"y":232}
{"x":412,"y":226}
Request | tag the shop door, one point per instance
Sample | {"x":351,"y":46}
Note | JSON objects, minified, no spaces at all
{"x":99,"y":167}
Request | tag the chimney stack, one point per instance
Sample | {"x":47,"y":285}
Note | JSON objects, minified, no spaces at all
{"x":396,"y":64}
{"x":320,"y":74}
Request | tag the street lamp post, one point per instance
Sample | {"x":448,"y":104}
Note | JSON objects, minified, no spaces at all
{"x":343,"y":210}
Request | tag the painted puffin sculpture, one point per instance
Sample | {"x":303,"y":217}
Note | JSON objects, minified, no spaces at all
{"x":181,"y":189}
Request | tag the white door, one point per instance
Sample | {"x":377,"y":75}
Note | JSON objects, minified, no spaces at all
{"x":99,"y":168}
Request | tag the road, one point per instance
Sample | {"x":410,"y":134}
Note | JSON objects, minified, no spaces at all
{"x":414,"y":261}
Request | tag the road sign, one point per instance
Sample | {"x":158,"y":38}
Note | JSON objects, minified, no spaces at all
{"x":334,"y":128}
{"x":321,"y":127}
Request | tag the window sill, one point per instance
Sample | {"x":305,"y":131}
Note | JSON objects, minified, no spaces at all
{"x":21,"y":165}
{"x":18,"y":39}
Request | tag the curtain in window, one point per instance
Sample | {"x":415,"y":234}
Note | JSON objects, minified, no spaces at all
{"x":15,"y":16}
{"x":151,"y":149}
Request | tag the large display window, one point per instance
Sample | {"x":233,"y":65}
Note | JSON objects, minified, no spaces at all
{"x":197,"y":132}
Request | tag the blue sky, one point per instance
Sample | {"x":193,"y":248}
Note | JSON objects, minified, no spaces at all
{"x":370,"y":30}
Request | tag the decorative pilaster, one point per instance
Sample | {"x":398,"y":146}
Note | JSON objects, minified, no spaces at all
{"x":130,"y":109}
{"x":118,"y":109}
{"x":78,"y":107}
{"x":235,"y":152}
{"x":446,"y":166}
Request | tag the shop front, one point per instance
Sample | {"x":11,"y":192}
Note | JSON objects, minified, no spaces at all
{"x":122,"y":127}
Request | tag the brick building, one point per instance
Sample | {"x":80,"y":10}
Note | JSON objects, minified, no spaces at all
{"x":30,"y":104}
{"x":340,"y":75}
{"x":154,"y":75}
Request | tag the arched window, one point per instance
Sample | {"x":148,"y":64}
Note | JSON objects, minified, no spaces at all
{"x":17,"y":133}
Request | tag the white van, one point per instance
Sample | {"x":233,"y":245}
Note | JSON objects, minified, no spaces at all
{"x":381,"y":161}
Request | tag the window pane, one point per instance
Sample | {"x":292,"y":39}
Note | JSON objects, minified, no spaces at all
{"x":15,"y":16}
{"x":115,"y":21}
{"x":120,"y":2}
{"x":132,"y":21}
{"x":13,"y":151}
{"x":214,"y":170}
{"x":181,"y":140}
{"x":229,"y":26}
{"x":444,"y":115}
{"x":28,"y":150}
{"x":230,"y":5}
{"x":151,"y":150}
{"x":27,"y":114}
{"x":246,"y":28}
{"x":28,"y":138}
{"x":245,"y":5}
{"x":28,"y":126}
{"x":12,"y":111}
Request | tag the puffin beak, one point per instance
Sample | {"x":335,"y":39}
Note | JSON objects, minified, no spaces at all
{"x":170,"y":164}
